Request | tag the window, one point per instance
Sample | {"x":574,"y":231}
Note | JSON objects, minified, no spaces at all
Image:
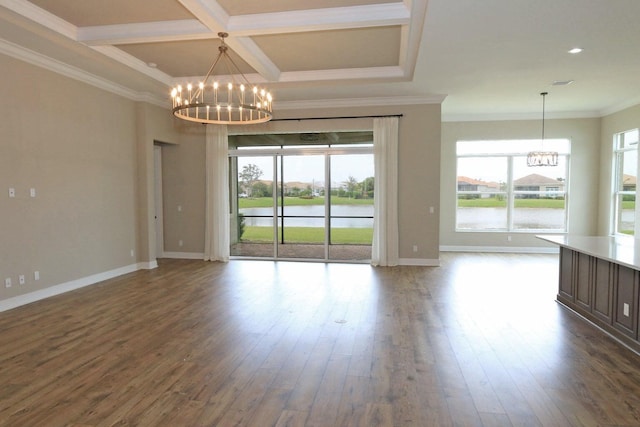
{"x":497,"y":191}
{"x":624,"y":179}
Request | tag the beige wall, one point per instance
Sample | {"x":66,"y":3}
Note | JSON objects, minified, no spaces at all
{"x":76,"y":145}
{"x":183,"y":176}
{"x":619,"y":122}
{"x":584,"y":178}
{"x":154,"y":126}
{"x":419,"y":175}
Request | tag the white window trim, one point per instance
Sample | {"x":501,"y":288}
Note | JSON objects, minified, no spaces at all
{"x":617,"y":176}
{"x":510,"y":193}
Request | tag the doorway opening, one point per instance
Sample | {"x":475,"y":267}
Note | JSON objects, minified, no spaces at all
{"x":302,"y":196}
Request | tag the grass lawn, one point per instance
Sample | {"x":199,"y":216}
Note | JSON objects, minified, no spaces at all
{"x":266,"y":202}
{"x":355,"y":236}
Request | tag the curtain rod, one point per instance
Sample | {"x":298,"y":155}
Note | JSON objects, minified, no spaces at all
{"x":336,"y":118}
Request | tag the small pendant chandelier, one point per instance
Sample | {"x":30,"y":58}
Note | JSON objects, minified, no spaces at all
{"x":228,"y":102}
{"x":542,"y":158}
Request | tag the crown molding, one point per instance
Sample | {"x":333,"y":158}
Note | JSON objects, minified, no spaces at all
{"x":391,"y":72}
{"x":134,"y":63}
{"x":621,"y":106}
{"x":470,"y":117}
{"x":39,"y":60}
{"x":42,"y":17}
{"x":359,"y":102}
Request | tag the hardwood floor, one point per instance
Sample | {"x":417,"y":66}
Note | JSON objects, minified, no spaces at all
{"x":479,"y":341}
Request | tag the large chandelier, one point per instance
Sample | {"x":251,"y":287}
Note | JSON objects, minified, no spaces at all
{"x":228,"y":102}
{"x":542,"y":158}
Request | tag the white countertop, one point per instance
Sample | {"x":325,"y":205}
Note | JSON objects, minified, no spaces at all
{"x":623,"y":250}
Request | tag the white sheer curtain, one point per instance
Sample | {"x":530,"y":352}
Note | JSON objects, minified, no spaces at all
{"x":384,"y":249}
{"x":216,"y":240}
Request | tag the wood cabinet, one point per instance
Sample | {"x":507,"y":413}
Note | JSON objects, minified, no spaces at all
{"x":603,"y":289}
{"x":567,"y":276}
{"x":604,"y":292}
{"x":625,"y":307}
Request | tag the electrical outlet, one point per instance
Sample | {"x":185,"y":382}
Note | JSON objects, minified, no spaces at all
{"x":21,"y":279}
{"x":7,"y":282}
{"x":32,"y":192}
{"x":36,"y":275}
{"x":12,"y":192}
{"x":415,"y":248}
{"x":180,"y":243}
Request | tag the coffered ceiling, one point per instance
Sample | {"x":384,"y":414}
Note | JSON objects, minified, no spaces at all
{"x":482,"y":59}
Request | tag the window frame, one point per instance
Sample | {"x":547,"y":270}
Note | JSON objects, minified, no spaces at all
{"x":508,"y":190}
{"x":618,"y":192}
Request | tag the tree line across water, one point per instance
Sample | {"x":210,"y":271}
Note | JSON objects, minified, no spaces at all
{"x":251,"y":186}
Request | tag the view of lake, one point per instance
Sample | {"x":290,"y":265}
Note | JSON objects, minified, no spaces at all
{"x":467,"y":218}
{"x":310,"y":211}
{"x":524,"y":218}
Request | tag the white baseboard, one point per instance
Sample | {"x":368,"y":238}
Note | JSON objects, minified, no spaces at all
{"x":41,"y":294}
{"x":183,"y":255}
{"x":148,"y":265}
{"x":500,"y":249}
{"x":419,"y":262}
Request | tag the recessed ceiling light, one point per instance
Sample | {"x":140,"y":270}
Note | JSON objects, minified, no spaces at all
{"x":575,"y":50}
{"x":562,"y":82}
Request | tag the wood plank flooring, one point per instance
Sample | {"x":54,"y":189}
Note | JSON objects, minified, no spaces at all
{"x":478,"y":341}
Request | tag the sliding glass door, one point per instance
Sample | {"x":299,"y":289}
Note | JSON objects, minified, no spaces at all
{"x":351,"y":207}
{"x":301,"y":207}
{"x":311,"y":203}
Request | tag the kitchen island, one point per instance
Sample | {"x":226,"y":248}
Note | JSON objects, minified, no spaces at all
{"x":599,"y":279}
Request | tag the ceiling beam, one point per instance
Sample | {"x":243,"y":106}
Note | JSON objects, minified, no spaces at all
{"x":211,"y":14}
{"x":145,"y":32}
{"x":336,"y":18}
{"x":411,"y":37}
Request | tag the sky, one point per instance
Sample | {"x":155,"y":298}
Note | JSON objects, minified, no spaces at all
{"x":310,"y":168}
